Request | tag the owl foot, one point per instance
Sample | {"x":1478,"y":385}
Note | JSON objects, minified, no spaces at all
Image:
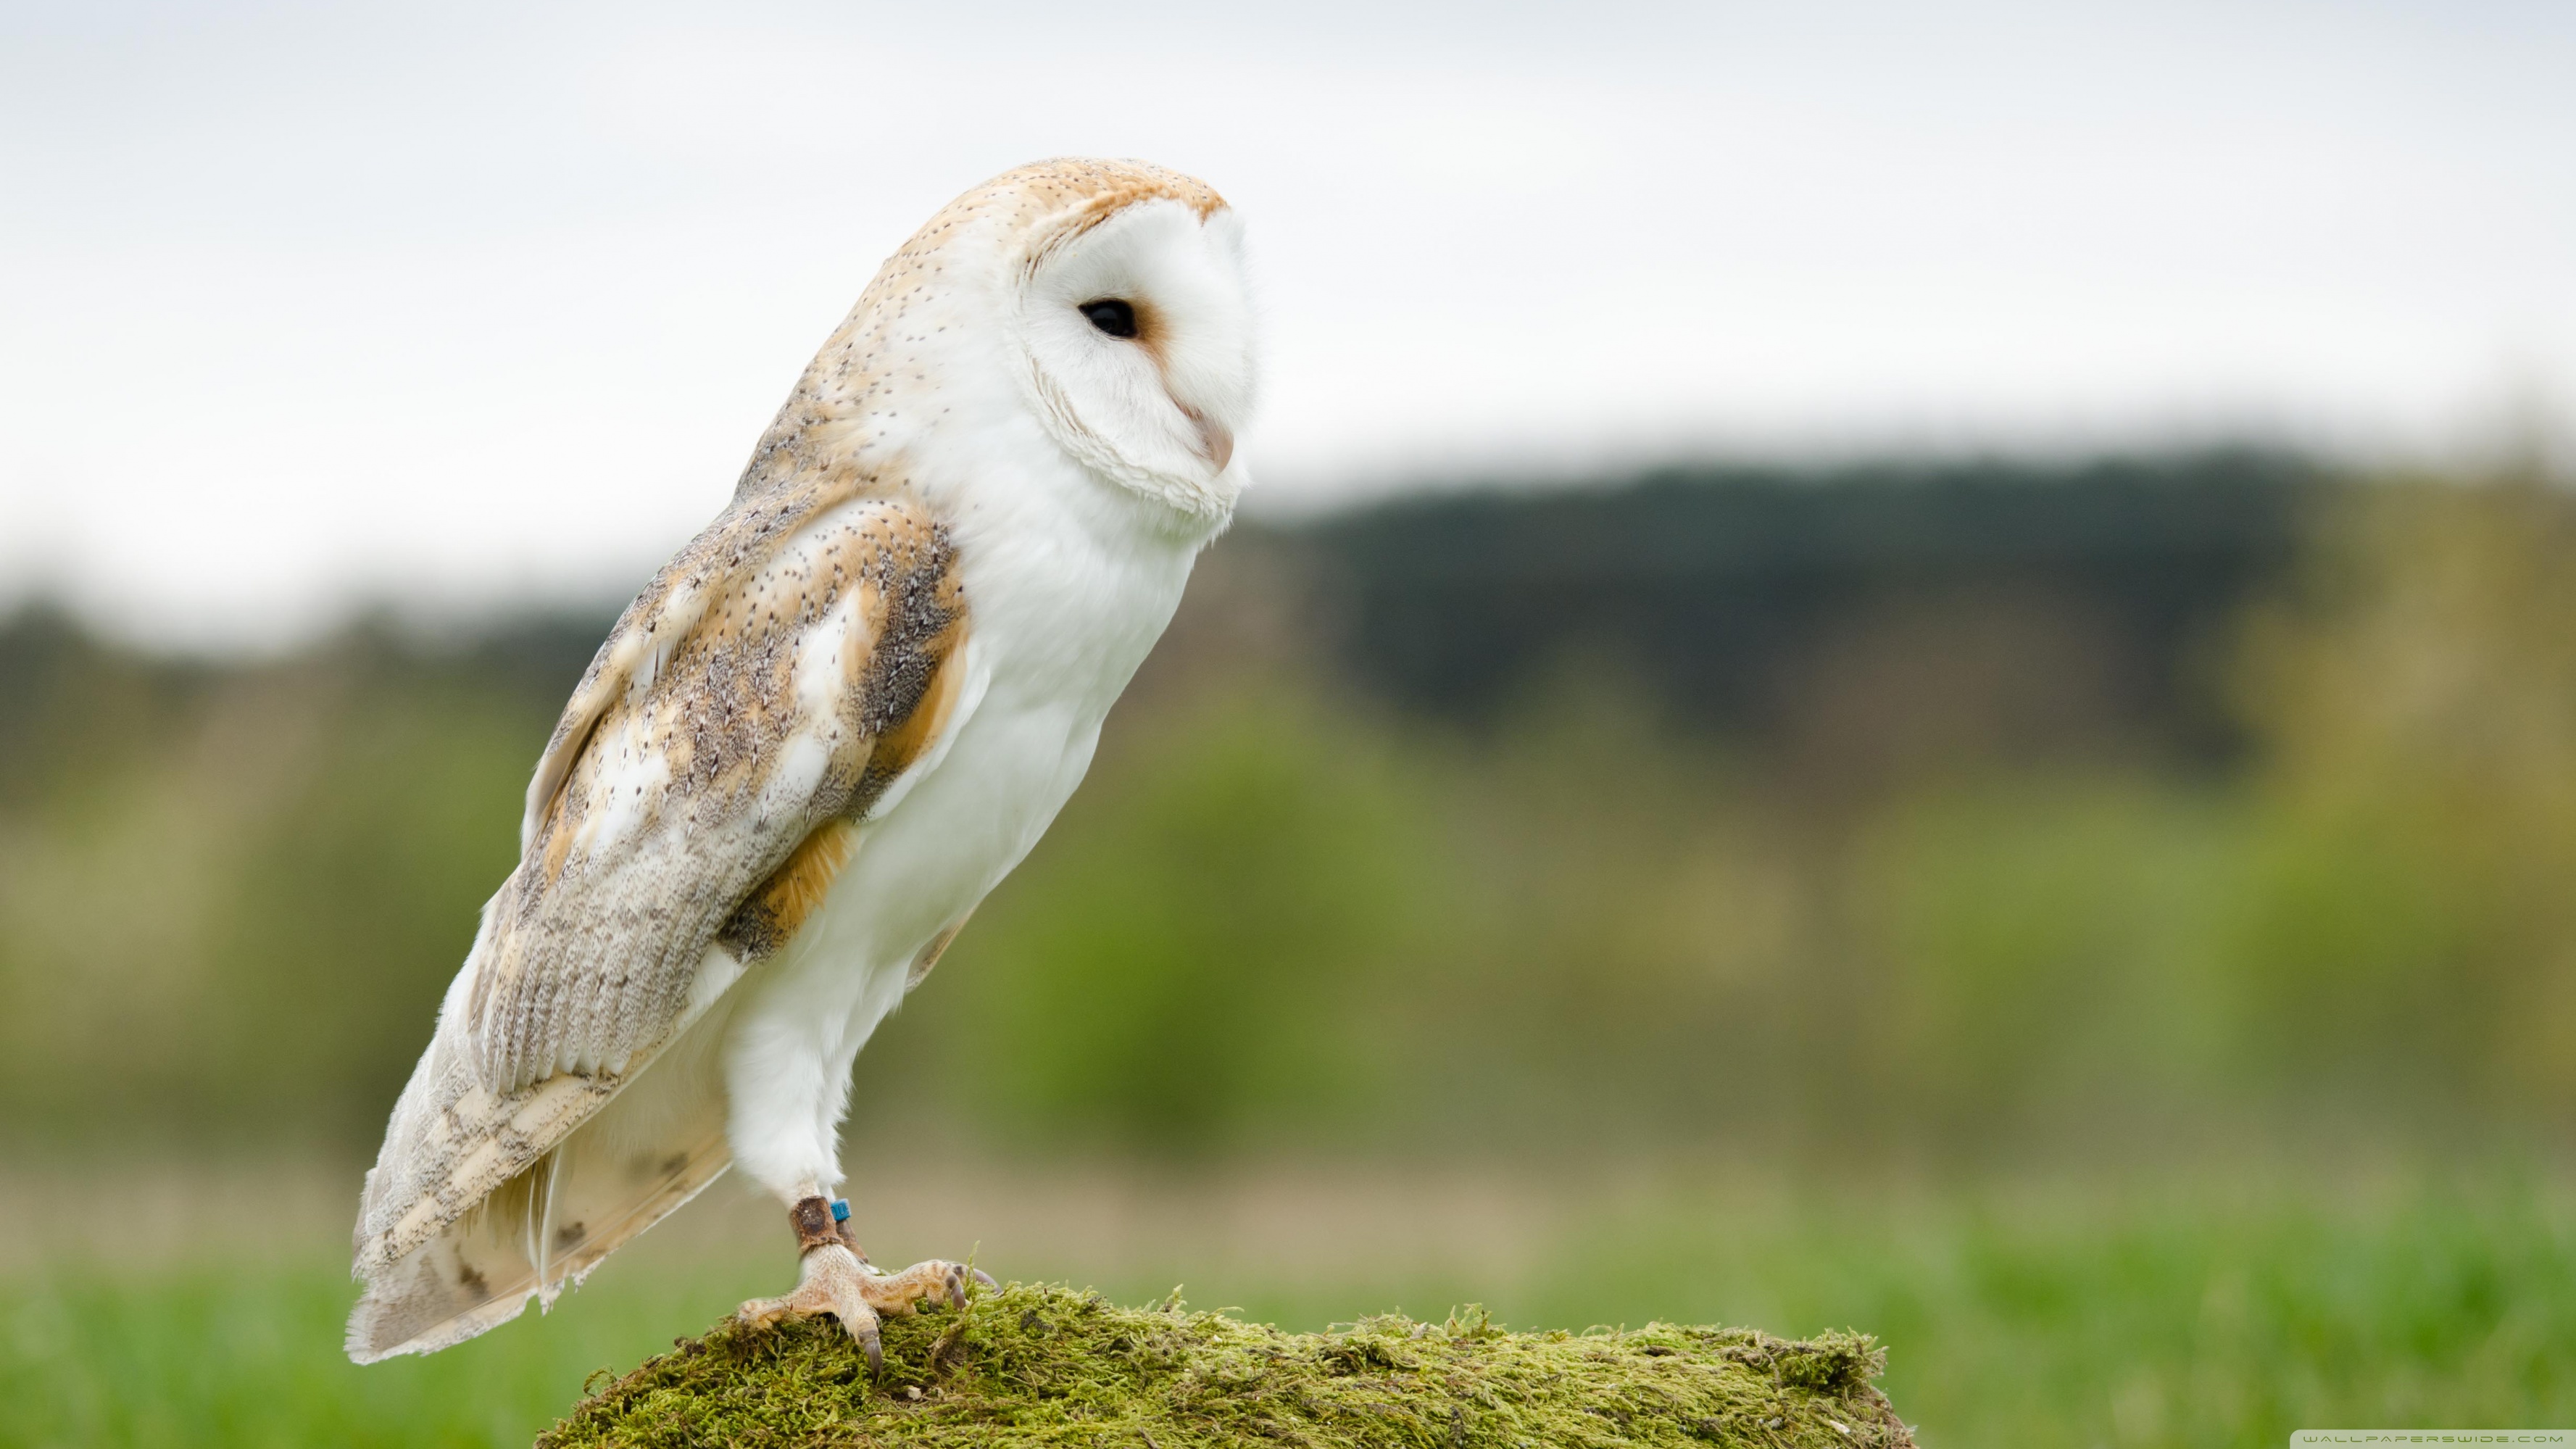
{"x":834,"y":1277}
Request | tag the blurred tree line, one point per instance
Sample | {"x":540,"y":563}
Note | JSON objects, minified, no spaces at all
{"x":1937,"y":814}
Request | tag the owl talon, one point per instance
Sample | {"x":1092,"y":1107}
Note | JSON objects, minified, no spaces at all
{"x":834,"y":1277}
{"x":936,"y":1280}
{"x":869,"y":1343}
{"x":833,"y":1281}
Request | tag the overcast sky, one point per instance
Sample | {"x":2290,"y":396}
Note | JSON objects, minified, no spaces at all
{"x":461,"y":304}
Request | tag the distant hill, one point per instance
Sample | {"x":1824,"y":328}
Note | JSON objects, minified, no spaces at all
{"x":1769,"y":602}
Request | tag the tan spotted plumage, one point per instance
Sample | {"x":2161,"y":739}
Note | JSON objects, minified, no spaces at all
{"x":667,"y":832}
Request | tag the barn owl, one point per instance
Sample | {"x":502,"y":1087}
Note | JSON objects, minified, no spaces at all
{"x":814,"y":742}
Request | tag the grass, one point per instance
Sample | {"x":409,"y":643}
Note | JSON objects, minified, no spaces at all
{"x":2091,"y":1316}
{"x":1035,"y":1365}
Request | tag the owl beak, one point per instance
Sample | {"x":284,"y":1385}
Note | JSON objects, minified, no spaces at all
{"x":1216,"y":442}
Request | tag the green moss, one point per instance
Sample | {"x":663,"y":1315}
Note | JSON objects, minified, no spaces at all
{"x":1048,"y":1365}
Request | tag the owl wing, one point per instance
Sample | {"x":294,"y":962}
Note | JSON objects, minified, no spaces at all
{"x":714,"y":740}
{"x":782,"y":678}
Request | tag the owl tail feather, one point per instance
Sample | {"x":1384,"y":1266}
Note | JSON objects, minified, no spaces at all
{"x":484,"y":1199}
{"x":536,"y":1235}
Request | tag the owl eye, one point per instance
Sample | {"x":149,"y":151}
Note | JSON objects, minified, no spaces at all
{"x":1111,"y":315}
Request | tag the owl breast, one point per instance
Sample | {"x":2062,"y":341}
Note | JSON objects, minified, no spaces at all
{"x":1058,"y":619}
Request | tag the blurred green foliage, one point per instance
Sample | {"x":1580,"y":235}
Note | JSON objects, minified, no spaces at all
{"x":1285,"y":915}
{"x":2407,"y":899}
{"x":1179,"y":976}
{"x":229,"y":896}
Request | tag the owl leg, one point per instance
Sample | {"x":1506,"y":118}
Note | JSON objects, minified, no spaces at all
{"x":835,"y":1277}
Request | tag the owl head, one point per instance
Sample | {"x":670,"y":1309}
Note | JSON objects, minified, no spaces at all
{"x":1101,"y":305}
{"x":1135,"y":330}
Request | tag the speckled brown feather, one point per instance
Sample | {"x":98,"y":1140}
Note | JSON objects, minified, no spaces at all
{"x":590,"y":951}
{"x":661,"y":831}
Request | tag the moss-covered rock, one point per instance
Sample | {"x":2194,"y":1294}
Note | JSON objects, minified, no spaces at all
{"x":1047,"y":1365}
